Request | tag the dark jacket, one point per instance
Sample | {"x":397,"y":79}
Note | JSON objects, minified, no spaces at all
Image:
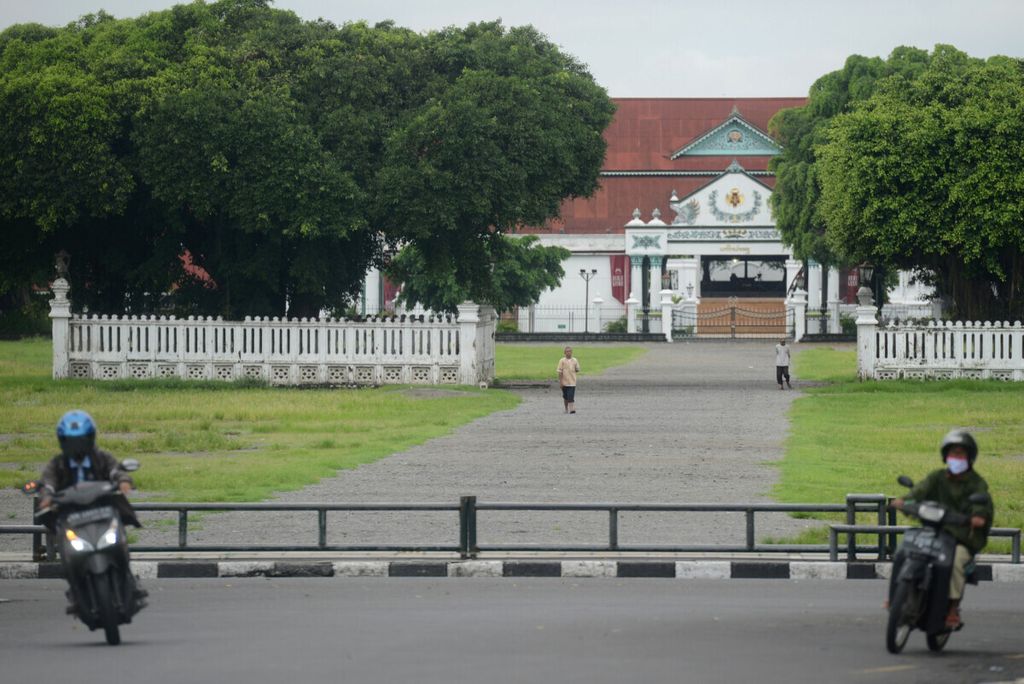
{"x":953,"y":492}
{"x":58,"y":475}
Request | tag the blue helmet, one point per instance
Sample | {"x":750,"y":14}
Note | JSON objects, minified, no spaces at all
{"x":76,"y":433}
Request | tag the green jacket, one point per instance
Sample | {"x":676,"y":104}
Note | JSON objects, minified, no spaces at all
{"x":953,"y":492}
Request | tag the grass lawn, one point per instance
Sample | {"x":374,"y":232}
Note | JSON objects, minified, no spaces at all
{"x":538,"y":362}
{"x":213,"y":441}
{"x":850,"y":436}
{"x":216,"y":441}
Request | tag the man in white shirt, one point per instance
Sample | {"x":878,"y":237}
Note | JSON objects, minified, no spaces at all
{"x":782,"y":363}
{"x":568,"y":367}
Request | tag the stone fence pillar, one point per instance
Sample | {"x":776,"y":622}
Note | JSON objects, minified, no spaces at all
{"x":797,"y":303}
{"x":866,"y":339}
{"x":631,"y":303}
{"x":60,"y":315}
{"x":666,"y":314}
{"x":469,"y":317}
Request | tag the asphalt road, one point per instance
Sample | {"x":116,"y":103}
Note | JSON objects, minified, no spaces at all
{"x":503,"y":630}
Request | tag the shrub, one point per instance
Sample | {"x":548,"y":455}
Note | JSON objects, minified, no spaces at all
{"x":619,"y":326}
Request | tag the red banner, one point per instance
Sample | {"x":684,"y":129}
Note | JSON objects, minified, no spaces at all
{"x":390,"y":292}
{"x":620,"y":277}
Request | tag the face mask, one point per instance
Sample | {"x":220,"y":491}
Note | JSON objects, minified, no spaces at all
{"x":957,"y":465}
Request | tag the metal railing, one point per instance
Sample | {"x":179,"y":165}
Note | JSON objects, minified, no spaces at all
{"x":468,"y":509}
{"x":892,"y":530}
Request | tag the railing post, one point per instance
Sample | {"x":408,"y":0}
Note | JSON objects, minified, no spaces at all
{"x":467,"y":527}
{"x":891,"y":520}
{"x":38,"y":551}
{"x":851,"y":538}
{"x":182,"y":528}
{"x":882,"y":504}
{"x":750,"y":529}
{"x":1015,"y":548}
{"x":613,"y":529}
{"x":833,"y":544}
{"x":321,"y":521}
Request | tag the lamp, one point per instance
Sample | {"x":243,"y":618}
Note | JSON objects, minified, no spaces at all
{"x":587,"y":277}
{"x":867,"y":272}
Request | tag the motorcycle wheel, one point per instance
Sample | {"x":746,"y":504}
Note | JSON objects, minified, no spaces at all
{"x":902,"y":615}
{"x":105,"y":606}
{"x":937,"y":642}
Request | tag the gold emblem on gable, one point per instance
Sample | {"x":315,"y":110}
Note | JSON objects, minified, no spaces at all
{"x":734,"y":198}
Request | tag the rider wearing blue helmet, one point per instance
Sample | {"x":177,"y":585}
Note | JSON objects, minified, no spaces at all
{"x":79,"y":459}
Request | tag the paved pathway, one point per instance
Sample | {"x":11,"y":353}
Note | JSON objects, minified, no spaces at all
{"x":685,"y":423}
{"x":697,"y":422}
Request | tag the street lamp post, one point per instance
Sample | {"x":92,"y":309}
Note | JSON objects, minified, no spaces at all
{"x":587,"y":277}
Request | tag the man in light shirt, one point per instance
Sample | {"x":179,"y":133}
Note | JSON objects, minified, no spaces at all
{"x":782,"y":363}
{"x":568,"y":367}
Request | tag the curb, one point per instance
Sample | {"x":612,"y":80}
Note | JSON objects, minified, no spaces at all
{"x":685,"y":569}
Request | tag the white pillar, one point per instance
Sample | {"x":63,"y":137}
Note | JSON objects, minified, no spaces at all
{"x":597,"y":302}
{"x":636,"y":278}
{"x":655,"y":277}
{"x":792,"y":271}
{"x":689,"y":275}
{"x":797,"y":303}
{"x":666,"y":313}
{"x":866,"y":339}
{"x":60,"y":316}
{"x":833,"y":301}
{"x":469,"y":316}
{"x":631,"y":303}
{"x":814,"y":286}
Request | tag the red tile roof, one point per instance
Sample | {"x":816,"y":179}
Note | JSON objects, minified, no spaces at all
{"x":646,"y":131}
{"x":642,"y":138}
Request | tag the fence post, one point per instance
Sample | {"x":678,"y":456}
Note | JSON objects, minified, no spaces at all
{"x":631,"y":305}
{"x":60,"y":316}
{"x":866,"y":340}
{"x":38,"y":550}
{"x":851,"y":538}
{"x":597,"y":302}
{"x":666,"y":314}
{"x":798,"y":305}
{"x":467,"y":527}
{"x":469,"y":317}
{"x":613,"y":529}
{"x":750,"y":529}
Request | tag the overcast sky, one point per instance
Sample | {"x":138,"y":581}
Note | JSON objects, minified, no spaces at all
{"x":659,"y":48}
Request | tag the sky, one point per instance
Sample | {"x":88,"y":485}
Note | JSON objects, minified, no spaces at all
{"x":661,"y":48}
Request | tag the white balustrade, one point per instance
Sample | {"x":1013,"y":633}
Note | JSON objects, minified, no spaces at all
{"x":940,"y":350}
{"x":308,"y":351}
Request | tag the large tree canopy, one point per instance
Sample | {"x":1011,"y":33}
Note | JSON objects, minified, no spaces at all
{"x":915,"y":163}
{"x":283,"y":157}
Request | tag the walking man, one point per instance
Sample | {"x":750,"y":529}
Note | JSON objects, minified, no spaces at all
{"x":568,"y":367}
{"x":782,"y":363}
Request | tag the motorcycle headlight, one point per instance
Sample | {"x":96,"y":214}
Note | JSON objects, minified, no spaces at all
{"x":109,"y":538}
{"x":77,"y":543}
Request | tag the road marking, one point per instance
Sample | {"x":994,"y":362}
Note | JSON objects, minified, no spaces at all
{"x":1016,"y":656}
{"x":890,"y":668}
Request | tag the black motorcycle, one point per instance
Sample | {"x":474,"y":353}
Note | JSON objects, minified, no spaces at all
{"x":921,"y":571}
{"x":88,"y":520}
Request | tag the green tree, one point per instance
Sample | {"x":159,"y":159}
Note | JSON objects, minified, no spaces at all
{"x":928,"y":173}
{"x":802,"y":130}
{"x":281,"y":156}
{"x":518,"y":272}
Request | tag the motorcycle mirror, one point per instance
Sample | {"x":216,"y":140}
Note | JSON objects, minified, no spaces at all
{"x":905,"y":481}
{"x":979,"y":498}
{"x":30,"y":488}
{"x":129,"y":465}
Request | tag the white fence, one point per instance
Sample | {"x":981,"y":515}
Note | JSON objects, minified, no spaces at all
{"x":406,"y":350}
{"x":939,"y":350}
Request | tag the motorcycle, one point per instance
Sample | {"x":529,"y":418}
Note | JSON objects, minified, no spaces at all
{"x":921,"y":571}
{"x":88,"y":520}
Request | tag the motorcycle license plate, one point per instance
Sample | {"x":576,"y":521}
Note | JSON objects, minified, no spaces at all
{"x":91,"y":515}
